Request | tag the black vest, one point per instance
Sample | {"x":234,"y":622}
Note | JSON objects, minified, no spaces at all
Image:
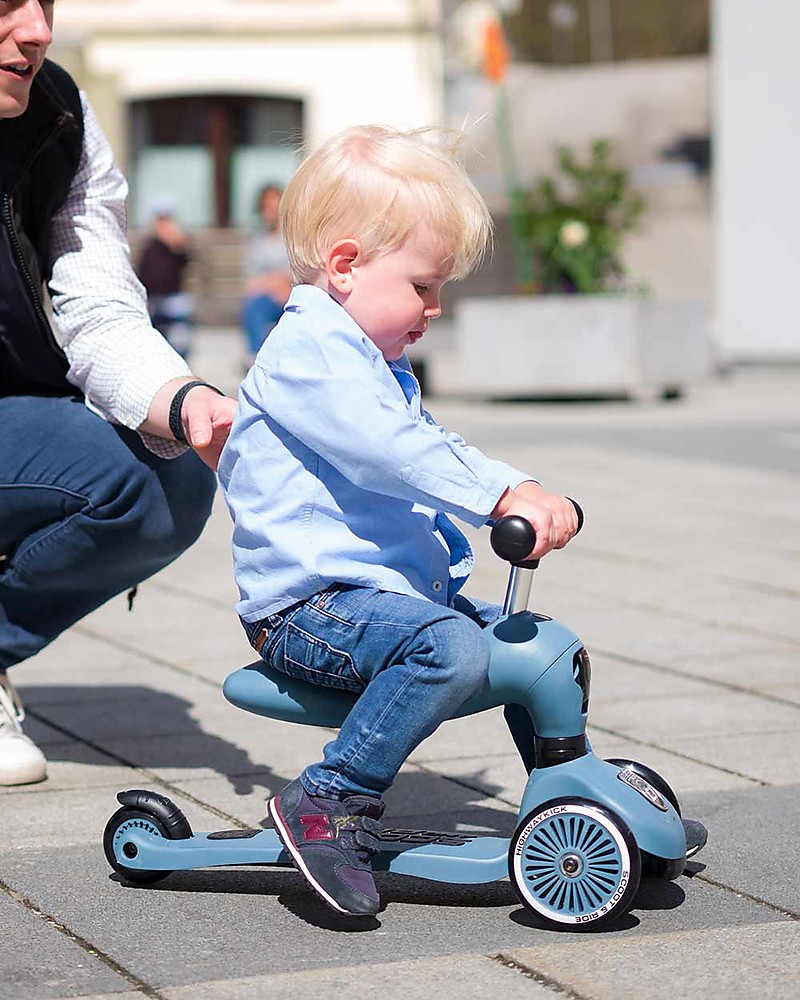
{"x":39,"y":155}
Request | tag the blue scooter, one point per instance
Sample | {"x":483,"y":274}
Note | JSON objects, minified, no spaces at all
{"x":587,"y":828}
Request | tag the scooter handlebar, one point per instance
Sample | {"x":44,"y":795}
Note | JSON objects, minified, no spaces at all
{"x":513,"y":537}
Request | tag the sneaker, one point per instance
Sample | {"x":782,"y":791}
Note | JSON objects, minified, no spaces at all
{"x":332,"y":842}
{"x":21,"y":761}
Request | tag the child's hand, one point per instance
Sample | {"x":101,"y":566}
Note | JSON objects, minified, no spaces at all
{"x":553,"y":517}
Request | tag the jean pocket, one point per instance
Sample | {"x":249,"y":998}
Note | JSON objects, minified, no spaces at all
{"x":299,"y":654}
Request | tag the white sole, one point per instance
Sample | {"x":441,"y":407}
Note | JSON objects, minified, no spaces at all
{"x":288,"y":843}
{"x":29,"y":774}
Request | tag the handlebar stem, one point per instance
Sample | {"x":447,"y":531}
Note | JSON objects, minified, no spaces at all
{"x":518,"y":592}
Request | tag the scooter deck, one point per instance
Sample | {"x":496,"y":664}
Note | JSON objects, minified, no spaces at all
{"x":466,"y":859}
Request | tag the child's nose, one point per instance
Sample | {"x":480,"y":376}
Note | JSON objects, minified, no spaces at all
{"x":434,"y":309}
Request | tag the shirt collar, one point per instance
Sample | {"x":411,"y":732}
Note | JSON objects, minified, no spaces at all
{"x":305,"y":297}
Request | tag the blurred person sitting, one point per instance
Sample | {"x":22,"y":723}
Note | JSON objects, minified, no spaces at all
{"x":162,"y":267}
{"x":268,"y":280}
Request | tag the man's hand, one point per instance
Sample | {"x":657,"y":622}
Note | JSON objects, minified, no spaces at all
{"x":553,"y":517}
{"x":207,"y":419}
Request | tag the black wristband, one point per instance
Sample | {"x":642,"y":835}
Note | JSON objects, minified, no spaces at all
{"x":175,"y":407}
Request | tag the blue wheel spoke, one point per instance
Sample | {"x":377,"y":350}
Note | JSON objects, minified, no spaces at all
{"x":538,"y":852}
{"x":603,"y":887}
{"x":547,"y":840}
{"x":561,"y":834}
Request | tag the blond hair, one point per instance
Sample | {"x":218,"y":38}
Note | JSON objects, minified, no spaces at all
{"x":377,"y":184}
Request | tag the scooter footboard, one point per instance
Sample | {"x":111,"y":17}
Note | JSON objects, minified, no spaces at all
{"x":441,"y":857}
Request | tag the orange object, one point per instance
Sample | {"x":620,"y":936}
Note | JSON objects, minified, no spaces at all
{"x":496,"y":55}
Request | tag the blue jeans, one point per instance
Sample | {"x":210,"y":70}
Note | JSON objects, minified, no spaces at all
{"x":259,"y":315}
{"x":86,"y":511}
{"x":413,"y":661}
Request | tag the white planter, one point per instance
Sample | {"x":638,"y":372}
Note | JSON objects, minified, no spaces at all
{"x":577,"y":345}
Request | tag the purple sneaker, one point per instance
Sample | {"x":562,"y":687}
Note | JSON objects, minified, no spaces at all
{"x":332,"y":842}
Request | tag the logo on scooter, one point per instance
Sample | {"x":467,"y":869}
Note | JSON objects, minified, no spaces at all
{"x":638,"y":783}
{"x":539,"y":818}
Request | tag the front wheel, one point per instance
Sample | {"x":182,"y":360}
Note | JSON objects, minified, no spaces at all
{"x":574,"y":861}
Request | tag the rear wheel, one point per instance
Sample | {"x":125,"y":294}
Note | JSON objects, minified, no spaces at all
{"x":574,"y":861}
{"x":117,"y":843}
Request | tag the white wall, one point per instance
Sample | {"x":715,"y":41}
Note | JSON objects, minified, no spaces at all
{"x":351,"y":61}
{"x":757,"y":177}
{"x":342,"y":80}
{"x":644,"y":107}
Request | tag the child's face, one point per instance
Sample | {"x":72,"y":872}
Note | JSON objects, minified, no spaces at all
{"x":393,"y":296}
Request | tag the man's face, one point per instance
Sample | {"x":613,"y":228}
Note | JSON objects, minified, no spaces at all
{"x":25,"y":35}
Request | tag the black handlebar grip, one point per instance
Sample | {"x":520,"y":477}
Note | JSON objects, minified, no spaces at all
{"x":512,"y":538}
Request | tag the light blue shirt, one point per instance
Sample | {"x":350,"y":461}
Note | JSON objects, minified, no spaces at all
{"x":333,"y":471}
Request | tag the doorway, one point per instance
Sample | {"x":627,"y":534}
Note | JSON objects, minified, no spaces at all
{"x":210,"y":154}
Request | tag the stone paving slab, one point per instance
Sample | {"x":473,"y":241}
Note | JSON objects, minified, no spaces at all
{"x":38,"y":961}
{"x":501,"y":776}
{"x":167,"y":627}
{"x":63,"y":819}
{"x":754,"y":844}
{"x":734,"y":963}
{"x":468,"y":977}
{"x":673,"y":719}
{"x":769,"y":758}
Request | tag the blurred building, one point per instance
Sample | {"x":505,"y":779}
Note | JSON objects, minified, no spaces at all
{"x":757,"y":165}
{"x":205,"y":100}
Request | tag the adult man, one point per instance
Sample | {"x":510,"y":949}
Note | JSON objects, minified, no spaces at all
{"x":96,"y":492}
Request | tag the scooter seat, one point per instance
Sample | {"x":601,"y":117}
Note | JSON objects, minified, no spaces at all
{"x":523,"y":648}
{"x":260,"y":689}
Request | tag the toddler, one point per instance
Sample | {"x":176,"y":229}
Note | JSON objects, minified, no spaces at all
{"x":342,"y":486}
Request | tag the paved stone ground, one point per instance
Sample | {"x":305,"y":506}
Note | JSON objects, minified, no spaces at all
{"x":685,"y":585}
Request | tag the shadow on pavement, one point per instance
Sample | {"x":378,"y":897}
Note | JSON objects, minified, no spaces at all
{"x":139,"y":727}
{"x":144,"y":728}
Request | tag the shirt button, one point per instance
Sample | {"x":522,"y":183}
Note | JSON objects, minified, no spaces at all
{"x":436,"y":586}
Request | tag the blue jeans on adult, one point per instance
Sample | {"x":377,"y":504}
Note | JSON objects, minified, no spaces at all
{"x":414,"y":663}
{"x":260,"y":313}
{"x":86,"y":511}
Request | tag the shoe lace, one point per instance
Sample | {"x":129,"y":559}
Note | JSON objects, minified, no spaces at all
{"x":12,"y":713}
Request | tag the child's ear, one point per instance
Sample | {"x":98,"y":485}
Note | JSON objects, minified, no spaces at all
{"x":339,"y":265}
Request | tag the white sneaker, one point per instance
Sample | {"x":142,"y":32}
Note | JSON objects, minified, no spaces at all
{"x":21,"y":761}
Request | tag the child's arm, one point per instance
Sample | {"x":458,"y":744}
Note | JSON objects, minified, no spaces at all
{"x":553,"y":517}
{"x":337,"y":398}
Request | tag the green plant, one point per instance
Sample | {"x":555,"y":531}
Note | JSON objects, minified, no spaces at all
{"x":573,"y":222}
